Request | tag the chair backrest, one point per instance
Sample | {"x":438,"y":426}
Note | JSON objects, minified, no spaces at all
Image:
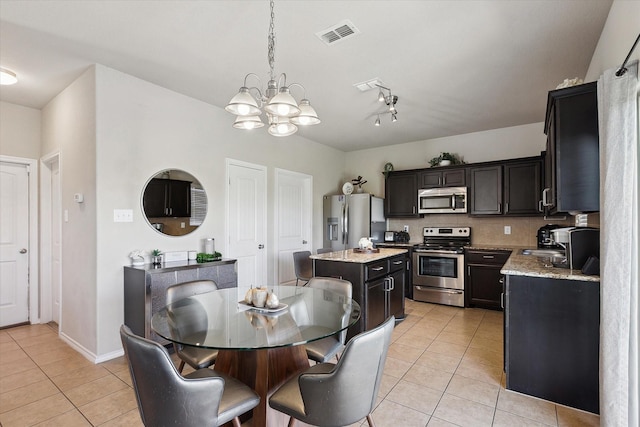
{"x":192,"y":322}
{"x":348,"y":393}
{"x":164,"y":396}
{"x":302,"y":265}
{"x":338,"y":286}
{"x":324,"y":250}
{"x":189,"y":289}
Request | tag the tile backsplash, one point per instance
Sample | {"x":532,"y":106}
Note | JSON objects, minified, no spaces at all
{"x":488,"y":231}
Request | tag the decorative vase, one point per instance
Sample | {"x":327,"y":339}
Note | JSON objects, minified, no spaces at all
{"x":156,"y":260}
{"x":445,"y":162}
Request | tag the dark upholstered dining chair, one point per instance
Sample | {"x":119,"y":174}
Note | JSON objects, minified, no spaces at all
{"x":302,"y":266}
{"x":340,"y":394}
{"x":165,"y":398}
{"x":196,"y":357}
{"x":323,"y":350}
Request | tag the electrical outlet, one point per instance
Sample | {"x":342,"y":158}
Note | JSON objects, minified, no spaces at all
{"x":406,"y":228}
{"x":507,"y":229}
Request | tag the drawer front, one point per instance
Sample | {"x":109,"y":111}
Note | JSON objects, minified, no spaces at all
{"x":397,"y":263}
{"x":487,"y":257}
{"x":377,"y":269}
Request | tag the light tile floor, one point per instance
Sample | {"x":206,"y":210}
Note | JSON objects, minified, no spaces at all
{"x":444,"y":368}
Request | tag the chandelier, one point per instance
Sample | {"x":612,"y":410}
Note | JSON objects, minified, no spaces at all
{"x":282,"y":112}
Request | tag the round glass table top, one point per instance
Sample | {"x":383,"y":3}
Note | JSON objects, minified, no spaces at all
{"x":219,"y":320}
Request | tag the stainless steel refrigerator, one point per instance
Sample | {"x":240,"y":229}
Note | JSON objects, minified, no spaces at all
{"x":347,"y":219}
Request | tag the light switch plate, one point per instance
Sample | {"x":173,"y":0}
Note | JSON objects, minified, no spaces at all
{"x":122,"y":215}
{"x":507,"y":229}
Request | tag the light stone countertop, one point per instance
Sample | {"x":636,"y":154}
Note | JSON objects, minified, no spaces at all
{"x":533,"y":266}
{"x":361,"y":258}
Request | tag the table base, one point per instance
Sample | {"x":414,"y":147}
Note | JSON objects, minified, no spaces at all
{"x":263,"y":371}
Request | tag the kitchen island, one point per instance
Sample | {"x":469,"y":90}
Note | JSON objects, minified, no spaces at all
{"x":378,"y":280}
{"x":552,"y":327}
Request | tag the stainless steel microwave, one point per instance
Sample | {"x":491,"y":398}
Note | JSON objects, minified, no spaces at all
{"x":442,"y":200}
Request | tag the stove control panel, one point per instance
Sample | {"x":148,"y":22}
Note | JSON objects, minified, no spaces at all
{"x":455,"y":232}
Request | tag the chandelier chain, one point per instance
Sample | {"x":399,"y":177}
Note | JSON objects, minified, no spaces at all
{"x":271,"y":43}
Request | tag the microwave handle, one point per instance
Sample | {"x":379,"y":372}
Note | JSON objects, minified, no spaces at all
{"x":453,"y":202}
{"x":345,"y":238}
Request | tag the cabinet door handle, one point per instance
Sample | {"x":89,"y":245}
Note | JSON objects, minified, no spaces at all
{"x":506,"y":207}
{"x":488,"y":256}
{"x":377,"y":268}
{"x":468,"y":270}
{"x":545,"y":197}
{"x":397,"y":262}
{"x":540,"y":204}
{"x":413,"y":210}
{"x":502,"y":300}
{"x":444,"y":181}
{"x":500,"y":207}
{"x":439,"y":181}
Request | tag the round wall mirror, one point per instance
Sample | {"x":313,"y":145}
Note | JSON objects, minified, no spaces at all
{"x":174,"y":202}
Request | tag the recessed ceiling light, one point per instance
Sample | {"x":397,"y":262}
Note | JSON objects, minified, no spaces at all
{"x":7,"y":77}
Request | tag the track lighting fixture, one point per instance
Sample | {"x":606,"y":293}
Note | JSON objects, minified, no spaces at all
{"x":390,"y":100}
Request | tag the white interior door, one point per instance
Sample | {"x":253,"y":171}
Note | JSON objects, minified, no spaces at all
{"x":14,"y":243}
{"x":293,"y":216}
{"x":247,"y":221}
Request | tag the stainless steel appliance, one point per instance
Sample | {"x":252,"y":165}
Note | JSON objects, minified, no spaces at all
{"x":396,"y":236}
{"x":583,"y":243}
{"x":348,"y":218}
{"x":438,"y":265}
{"x":545,"y":237}
{"x":442,"y":200}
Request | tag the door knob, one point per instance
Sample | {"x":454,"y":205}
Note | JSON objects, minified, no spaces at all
{"x":260,"y":246}
{"x":23,"y":251}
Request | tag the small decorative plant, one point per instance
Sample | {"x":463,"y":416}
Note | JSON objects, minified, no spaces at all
{"x":359,"y":181}
{"x":446,"y":159}
{"x":156,"y":257}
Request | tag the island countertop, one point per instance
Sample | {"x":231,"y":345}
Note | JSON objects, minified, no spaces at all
{"x":356,"y":257}
{"x":529,"y":265}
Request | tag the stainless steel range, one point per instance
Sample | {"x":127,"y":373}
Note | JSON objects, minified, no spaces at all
{"x":438,"y":265}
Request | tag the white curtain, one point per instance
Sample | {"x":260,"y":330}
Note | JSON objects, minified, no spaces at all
{"x":618,"y":123}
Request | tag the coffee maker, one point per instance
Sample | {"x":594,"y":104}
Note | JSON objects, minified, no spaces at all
{"x":545,"y":237}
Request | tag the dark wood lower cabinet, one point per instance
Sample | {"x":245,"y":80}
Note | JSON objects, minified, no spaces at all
{"x":483,"y":287}
{"x":552,"y":339}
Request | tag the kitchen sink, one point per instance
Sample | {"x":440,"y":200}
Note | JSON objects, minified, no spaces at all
{"x":545,"y":253}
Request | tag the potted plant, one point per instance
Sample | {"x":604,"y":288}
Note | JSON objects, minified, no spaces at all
{"x":156,"y":257}
{"x":446,"y":159}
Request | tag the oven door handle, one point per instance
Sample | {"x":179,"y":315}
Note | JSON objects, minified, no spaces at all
{"x":436,"y":252}
{"x":445,"y":291}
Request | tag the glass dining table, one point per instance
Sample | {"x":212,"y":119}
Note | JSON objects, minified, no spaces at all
{"x":260,"y":347}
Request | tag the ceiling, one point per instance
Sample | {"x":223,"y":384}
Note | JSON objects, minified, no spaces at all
{"x":456,"y":66}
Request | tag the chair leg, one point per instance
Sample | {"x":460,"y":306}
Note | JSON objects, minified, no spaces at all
{"x":292,"y":422}
{"x":181,"y":367}
{"x":370,"y":421}
{"x":236,"y":422}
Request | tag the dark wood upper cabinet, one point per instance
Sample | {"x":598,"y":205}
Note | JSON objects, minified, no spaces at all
{"x":572,"y":173}
{"x":485,"y":195}
{"x":506,"y":188}
{"x":445,"y":178}
{"x":522,"y":183}
{"x":167,"y":198}
{"x":401,"y":195}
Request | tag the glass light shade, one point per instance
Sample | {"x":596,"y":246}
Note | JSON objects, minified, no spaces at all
{"x":7,"y":77}
{"x":248,"y":122}
{"x":394,"y":118}
{"x":377,"y":122}
{"x":283,"y":104}
{"x":307,"y":116}
{"x":283,"y":128}
{"x":243,"y":104}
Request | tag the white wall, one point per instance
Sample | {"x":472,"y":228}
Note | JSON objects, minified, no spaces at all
{"x":68,"y":126}
{"x":497,"y":144}
{"x":619,"y":33}
{"x":142,"y":129}
{"x":20,"y":129}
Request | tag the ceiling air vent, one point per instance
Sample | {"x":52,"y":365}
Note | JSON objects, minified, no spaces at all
{"x":338,"y":32}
